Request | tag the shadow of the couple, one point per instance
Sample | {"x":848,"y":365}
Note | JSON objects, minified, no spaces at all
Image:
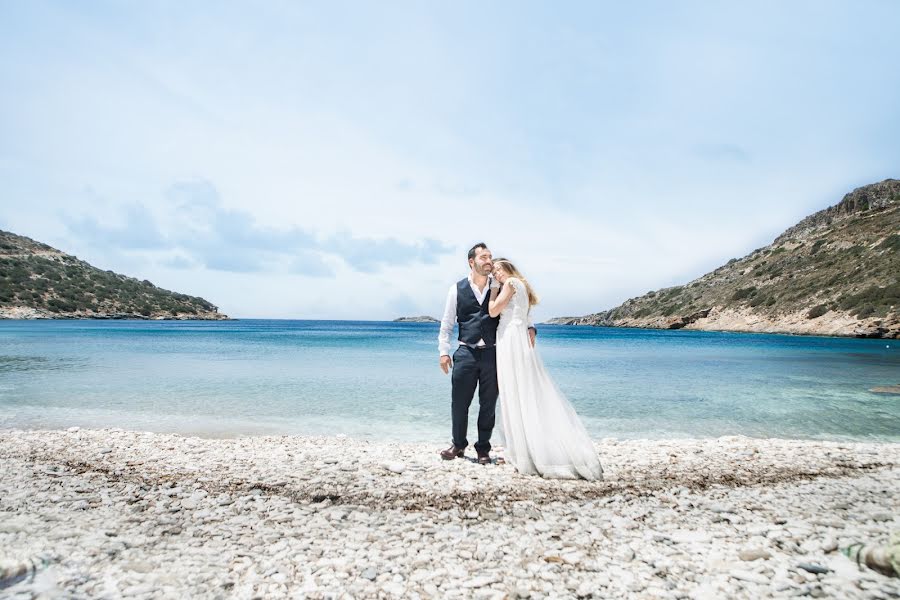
{"x":494,"y":461}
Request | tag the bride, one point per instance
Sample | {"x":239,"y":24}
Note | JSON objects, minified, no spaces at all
{"x":543,"y":434}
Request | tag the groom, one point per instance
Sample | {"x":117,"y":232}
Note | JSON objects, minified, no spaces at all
{"x":474,"y":361}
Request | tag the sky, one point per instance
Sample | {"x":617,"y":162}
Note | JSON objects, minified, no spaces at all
{"x":336,"y":160}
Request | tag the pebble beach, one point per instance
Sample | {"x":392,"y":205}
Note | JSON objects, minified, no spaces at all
{"x":109,"y":513}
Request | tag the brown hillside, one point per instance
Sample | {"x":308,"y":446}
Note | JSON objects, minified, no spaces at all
{"x":837,"y":272}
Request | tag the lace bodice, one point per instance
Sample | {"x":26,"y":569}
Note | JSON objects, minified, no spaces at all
{"x":516,"y":312}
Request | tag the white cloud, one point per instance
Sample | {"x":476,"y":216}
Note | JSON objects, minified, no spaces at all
{"x":312,"y":161}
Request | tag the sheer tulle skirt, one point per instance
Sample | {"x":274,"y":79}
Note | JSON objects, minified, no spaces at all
{"x":542,"y":433}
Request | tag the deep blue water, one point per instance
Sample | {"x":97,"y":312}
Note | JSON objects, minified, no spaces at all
{"x":381,"y":380}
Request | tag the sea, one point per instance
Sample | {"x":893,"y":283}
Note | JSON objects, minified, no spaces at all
{"x":381,"y":380}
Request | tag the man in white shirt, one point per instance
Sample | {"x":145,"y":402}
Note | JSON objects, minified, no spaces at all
{"x":474,"y":362}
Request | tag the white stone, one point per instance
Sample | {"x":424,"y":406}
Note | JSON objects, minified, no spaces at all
{"x":749,"y":576}
{"x":751,"y":554}
{"x":402,"y":527}
{"x":480,"y":581}
{"x":625,"y":554}
{"x":687,"y":536}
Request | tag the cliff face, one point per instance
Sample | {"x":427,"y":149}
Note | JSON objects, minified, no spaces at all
{"x":837,"y":272}
{"x":40,"y":282}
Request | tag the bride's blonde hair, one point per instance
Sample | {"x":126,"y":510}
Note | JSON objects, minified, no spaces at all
{"x":514,"y":272}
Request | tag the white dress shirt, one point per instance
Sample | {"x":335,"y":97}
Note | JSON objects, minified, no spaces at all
{"x":448,"y":320}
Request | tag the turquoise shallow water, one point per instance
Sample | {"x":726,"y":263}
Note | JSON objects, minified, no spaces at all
{"x":382,"y":381}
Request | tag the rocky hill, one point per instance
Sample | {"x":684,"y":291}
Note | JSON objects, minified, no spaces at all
{"x":836,"y":272}
{"x":422,"y":319}
{"x":40,"y":282}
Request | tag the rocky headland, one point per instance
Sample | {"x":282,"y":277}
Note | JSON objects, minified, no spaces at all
{"x":422,"y":319}
{"x":123,"y":514}
{"x":837,"y":272}
{"x":40,"y":282}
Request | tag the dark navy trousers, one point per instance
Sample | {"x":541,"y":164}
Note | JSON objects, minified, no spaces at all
{"x":474,"y":367}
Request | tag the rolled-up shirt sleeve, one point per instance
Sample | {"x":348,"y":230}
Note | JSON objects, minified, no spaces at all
{"x":447,"y":322}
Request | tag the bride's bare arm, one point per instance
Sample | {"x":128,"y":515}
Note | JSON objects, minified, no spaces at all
{"x":499,"y":300}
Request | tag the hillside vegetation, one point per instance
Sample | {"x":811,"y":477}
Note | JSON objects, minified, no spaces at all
{"x":836,"y":272}
{"x":37,"y":281}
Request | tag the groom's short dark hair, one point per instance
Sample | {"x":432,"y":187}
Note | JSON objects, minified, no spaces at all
{"x":475,"y":248}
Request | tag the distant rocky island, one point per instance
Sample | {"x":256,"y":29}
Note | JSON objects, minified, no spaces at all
{"x":40,"y":282}
{"x":422,"y":319}
{"x":836,"y":272}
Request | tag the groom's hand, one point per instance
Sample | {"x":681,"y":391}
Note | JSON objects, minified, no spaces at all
{"x":446,"y":363}
{"x":532,"y":334}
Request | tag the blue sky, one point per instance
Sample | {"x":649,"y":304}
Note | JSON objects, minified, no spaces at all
{"x":336,"y":160}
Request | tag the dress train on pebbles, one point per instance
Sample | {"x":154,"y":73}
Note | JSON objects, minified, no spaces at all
{"x":542,"y":432}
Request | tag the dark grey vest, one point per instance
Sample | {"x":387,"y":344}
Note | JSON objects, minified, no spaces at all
{"x":475,"y":322}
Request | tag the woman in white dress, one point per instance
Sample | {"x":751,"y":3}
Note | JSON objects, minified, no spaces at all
{"x":544,"y":435}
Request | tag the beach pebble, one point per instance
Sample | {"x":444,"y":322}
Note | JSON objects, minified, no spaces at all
{"x":636,"y":585}
{"x":781,"y":584}
{"x":585,"y":589}
{"x":395,"y":467}
{"x":394,"y":589}
{"x":138,"y":566}
{"x":683,"y":536}
{"x":813,"y":568}
{"x":750,"y":554}
{"x":138,"y":590}
{"x":749,"y":576}
{"x":13,"y":525}
{"x":706,"y":591}
{"x":268,"y":517}
{"x":625,"y":554}
{"x":481,"y":581}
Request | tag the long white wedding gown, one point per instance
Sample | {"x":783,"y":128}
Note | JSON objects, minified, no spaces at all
{"x":542,"y":432}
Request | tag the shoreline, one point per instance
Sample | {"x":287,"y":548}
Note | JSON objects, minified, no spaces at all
{"x":139,"y":514}
{"x":570,"y":322}
{"x":560,"y":321}
{"x":117,"y":317}
{"x":435,"y":438}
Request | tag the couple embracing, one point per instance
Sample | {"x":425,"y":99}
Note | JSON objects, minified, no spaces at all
{"x":496,"y":354}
